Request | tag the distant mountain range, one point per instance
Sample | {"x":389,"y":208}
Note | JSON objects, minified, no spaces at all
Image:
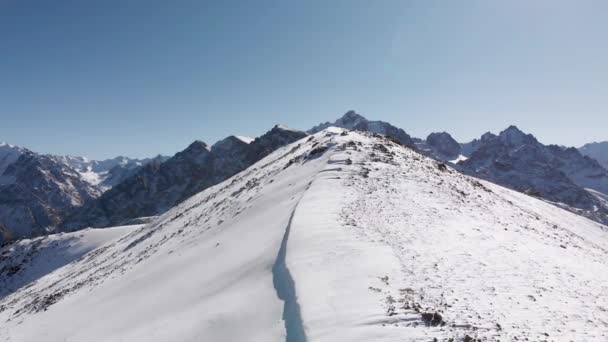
{"x":565,"y":176}
{"x":44,"y":193}
{"x":561,"y":175}
{"x":37,"y":191}
{"x":159,"y":186}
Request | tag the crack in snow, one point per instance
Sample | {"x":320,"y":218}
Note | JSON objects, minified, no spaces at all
{"x":286,"y":290}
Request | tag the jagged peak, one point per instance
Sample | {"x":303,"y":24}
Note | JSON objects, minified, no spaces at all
{"x":351,"y":119}
{"x":488,"y":136}
{"x":228,"y":142}
{"x":197,"y":146}
{"x":351,"y":115}
{"x":513,"y":129}
{"x":245,"y":139}
{"x":512,"y":135}
{"x":6,"y":145}
{"x":443,"y":134}
{"x":280,"y":127}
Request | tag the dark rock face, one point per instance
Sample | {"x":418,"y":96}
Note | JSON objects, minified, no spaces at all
{"x":354,"y":121}
{"x":518,"y":161}
{"x":159,"y":186}
{"x":38,"y":191}
{"x":468,"y":148}
{"x":444,"y":145}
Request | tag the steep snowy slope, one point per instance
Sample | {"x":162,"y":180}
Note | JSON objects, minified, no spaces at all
{"x":337,"y":237}
{"x":24,"y":261}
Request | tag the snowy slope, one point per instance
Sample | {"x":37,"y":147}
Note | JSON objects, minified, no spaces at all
{"x":337,"y":237}
{"x":24,"y":261}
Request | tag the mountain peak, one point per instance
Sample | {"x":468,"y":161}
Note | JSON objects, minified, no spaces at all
{"x":352,"y":115}
{"x":514,"y":136}
{"x":443,"y":143}
{"x":198,"y":145}
{"x":279,"y":127}
{"x":198,"y":152}
{"x":228,"y":143}
{"x":513,"y":128}
{"x":352,"y":119}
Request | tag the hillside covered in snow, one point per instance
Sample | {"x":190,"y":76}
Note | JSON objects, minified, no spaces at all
{"x":340,"y":236}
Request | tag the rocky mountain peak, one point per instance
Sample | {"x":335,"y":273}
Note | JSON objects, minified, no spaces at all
{"x":354,"y":121}
{"x":513,"y":136}
{"x":197,"y":151}
{"x":9,"y":154}
{"x":353,"y":118}
{"x":517,"y":160}
{"x":444,"y":144}
{"x":198,"y":146}
{"x":487,"y":136}
{"x":228,"y":143}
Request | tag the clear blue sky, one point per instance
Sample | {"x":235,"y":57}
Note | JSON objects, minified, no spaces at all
{"x":108,"y":77}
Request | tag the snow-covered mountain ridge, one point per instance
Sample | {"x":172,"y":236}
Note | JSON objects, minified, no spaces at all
{"x":352,"y":120}
{"x":158,"y":187}
{"x":513,"y":159}
{"x":342,"y":236}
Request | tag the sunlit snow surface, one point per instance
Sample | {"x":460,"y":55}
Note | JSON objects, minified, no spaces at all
{"x":346,"y":236}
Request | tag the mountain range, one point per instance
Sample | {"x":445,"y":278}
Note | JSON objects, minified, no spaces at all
{"x":37,"y":191}
{"x":159,"y":186}
{"x":339,"y":236}
{"x":40,"y":194}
